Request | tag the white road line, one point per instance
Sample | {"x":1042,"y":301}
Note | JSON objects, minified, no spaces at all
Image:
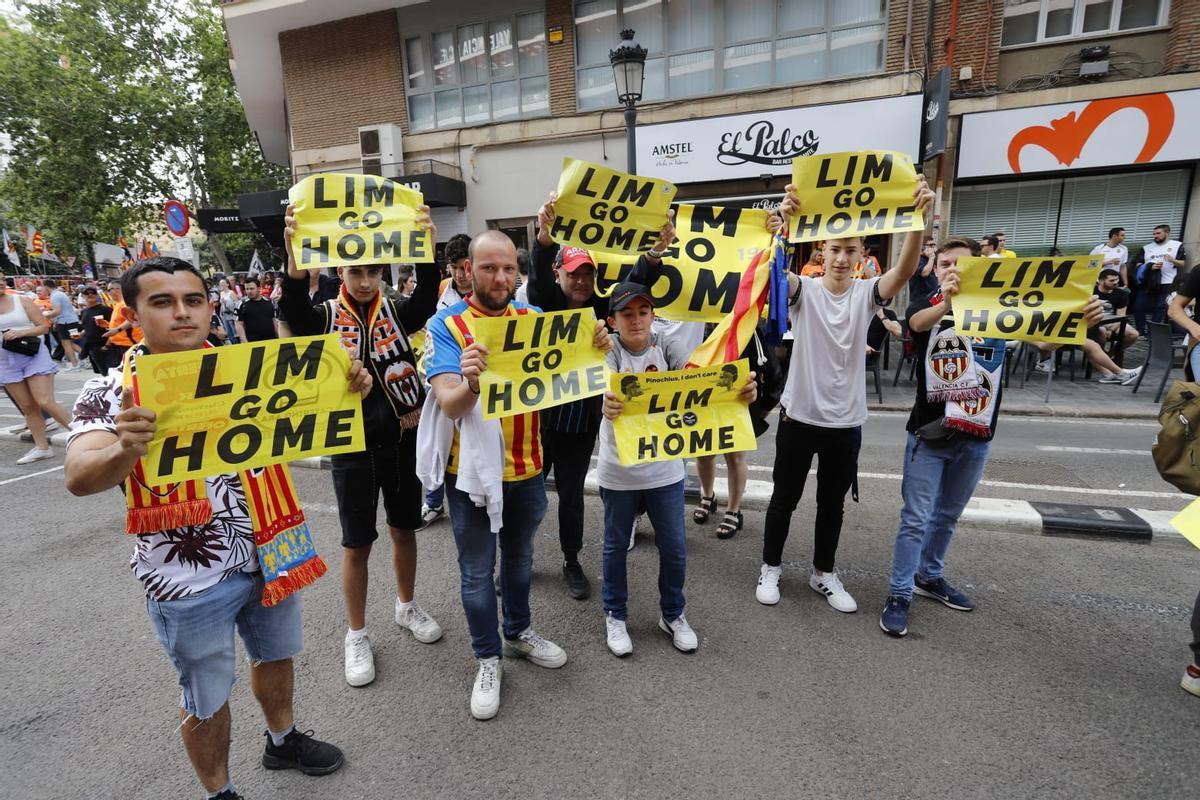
{"x":1049,"y":448}
{"x":1011,"y":418}
{"x":31,"y":475}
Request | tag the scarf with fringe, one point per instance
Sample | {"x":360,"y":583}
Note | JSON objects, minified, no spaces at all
{"x":963,"y":373}
{"x":286,"y":553}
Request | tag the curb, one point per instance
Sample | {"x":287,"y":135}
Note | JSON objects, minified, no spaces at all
{"x":1110,"y":523}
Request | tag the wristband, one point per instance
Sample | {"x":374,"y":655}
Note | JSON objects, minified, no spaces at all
{"x":473,"y":391}
{"x":656,"y":254}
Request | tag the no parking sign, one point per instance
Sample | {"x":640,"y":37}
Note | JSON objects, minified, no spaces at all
{"x":177,"y":217}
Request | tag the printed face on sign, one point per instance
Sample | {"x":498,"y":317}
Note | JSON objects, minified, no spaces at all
{"x":631,"y":388}
{"x":729,"y":376}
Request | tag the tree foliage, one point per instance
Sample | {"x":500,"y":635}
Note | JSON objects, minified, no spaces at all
{"x":112,"y":107}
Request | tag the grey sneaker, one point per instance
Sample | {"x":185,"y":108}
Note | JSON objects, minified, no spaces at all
{"x":530,"y":645}
{"x":1130,"y":375}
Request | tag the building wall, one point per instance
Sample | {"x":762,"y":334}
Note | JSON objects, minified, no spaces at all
{"x":340,"y":76}
{"x":1146,"y":53}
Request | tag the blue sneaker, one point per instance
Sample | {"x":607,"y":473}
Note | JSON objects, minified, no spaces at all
{"x":894,"y":619}
{"x":944,"y":593}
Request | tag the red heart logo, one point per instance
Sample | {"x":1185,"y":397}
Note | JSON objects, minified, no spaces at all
{"x":1065,"y":137}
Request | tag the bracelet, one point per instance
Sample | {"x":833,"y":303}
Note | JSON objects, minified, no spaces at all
{"x":473,"y":391}
{"x":656,"y":254}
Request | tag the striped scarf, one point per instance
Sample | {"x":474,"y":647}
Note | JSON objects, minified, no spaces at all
{"x":286,"y":553}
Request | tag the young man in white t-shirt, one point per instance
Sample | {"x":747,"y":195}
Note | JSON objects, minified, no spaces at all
{"x":1165,"y":256}
{"x":1116,"y":254}
{"x":657,"y":486}
{"x":824,"y":400}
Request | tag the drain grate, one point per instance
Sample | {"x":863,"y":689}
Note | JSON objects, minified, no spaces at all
{"x":1038,"y":472}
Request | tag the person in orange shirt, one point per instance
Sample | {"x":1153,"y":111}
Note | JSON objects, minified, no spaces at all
{"x":122,"y":333}
{"x":815,"y":267}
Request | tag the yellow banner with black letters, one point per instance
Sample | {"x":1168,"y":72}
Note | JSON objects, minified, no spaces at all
{"x":854,"y":194}
{"x":1028,"y":299}
{"x":605,"y":211}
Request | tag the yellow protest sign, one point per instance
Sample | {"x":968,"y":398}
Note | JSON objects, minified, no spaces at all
{"x":538,"y":360}
{"x":1187,"y":522}
{"x":702,"y":270}
{"x":682,"y":414}
{"x":347,"y":220}
{"x":854,"y":194}
{"x":416,"y":341}
{"x":607,"y":211}
{"x":1031,"y":299}
{"x":226,"y":409}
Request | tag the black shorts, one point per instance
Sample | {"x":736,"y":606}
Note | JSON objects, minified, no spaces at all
{"x":68,"y":332}
{"x":358,"y":478}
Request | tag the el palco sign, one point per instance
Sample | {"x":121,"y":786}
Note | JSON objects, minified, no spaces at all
{"x":755,"y":144}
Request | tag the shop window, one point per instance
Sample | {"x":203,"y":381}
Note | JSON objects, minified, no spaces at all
{"x":1029,"y":21}
{"x":700,"y":47}
{"x":477,"y":72}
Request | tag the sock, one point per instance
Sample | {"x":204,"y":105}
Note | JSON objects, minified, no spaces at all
{"x":228,"y":787}
{"x":278,"y":737}
{"x":1194,"y":670}
{"x":352,"y":634}
{"x":401,"y":605}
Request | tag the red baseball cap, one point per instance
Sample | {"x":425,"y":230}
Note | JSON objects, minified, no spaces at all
{"x":575,"y":257}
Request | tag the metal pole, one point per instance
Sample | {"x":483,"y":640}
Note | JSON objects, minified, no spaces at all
{"x":630,"y":139}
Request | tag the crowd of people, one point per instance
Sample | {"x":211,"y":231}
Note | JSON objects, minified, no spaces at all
{"x":430,"y":453}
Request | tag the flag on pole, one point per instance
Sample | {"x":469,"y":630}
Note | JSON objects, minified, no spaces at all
{"x":126,"y":254}
{"x":256,"y":265}
{"x":10,"y":251}
{"x":34,"y":243}
{"x":734,"y":333}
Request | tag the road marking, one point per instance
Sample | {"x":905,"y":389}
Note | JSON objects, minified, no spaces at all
{"x":1049,"y":448}
{"x":31,"y":475}
{"x":1010,"y":418}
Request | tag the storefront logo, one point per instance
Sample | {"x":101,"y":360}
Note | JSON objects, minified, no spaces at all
{"x":1065,"y":137}
{"x":760,"y":144}
{"x":673,"y":151}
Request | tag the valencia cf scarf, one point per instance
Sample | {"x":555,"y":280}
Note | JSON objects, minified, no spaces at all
{"x":286,"y":553}
{"x":964,"y":373}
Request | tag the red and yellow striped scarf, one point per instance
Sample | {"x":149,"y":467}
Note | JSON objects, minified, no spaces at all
{"x":286,"y":553}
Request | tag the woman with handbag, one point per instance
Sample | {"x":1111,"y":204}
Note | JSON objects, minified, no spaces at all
{"x":27,"y":371}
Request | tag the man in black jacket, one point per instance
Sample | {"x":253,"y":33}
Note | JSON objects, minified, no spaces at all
{"x":567,"y":280}
{"x":375,"y":329}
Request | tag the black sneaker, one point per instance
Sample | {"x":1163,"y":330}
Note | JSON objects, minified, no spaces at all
{"x":228,"y":794}
{"x":577,"y":583}
{"x":301,"y":751}
{"x":944,"y":593}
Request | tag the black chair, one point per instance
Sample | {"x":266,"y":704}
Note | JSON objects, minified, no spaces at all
{"x":908,"y":355}
{"x":1163,"y":349}
{"x":877,"y":362}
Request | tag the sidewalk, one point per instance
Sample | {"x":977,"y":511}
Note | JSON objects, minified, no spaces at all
{"x":1078,"y":398}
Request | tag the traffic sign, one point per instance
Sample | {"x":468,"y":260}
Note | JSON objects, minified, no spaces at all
{"x":177,"y":218}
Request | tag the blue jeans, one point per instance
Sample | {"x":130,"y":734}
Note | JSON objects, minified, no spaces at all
{"x":197,"y":633}
{"x":1195,"y":363}
{"x":230,"y":325}
{"x":434,"y":497}
{"x":665,"y":507}
{"x":938,"y":482}
{"x":524,"y":507}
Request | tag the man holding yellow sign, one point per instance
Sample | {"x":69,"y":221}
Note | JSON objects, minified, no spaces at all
{"x":640,"y":461}
{"x":225,"y":551}
{"x":375,"y":329}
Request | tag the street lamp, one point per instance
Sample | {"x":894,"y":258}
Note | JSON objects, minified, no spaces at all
{"x":629,"y":70}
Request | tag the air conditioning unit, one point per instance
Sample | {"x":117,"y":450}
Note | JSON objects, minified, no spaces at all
{"x":381,"y":150}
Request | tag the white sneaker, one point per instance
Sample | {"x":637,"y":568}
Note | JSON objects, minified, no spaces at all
{"x":430,"y":515}
{"x":1128,"y":376}
{"x":1191,"y":683}
{"x":831,"y":586}
{"x":36,"y":455}
{"x":360,"y":661}
{"x":767,"y":592}
{"x":52,"y":425}
{"x":1045,"y":365}
{"x":530,"y":645}
{"x":485,"y":694}
{"x":682,"y":635}
{"x":424,"y":628}
{"x":618,"y":637}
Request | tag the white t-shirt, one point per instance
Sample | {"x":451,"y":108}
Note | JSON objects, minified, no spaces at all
{"x":683,"y":336}
{"x":450,"y":296}
{"x":1120,"y":254}
{"x":826,"y":381}
{"x":1158,"y":253}
{"x":661,"y":355}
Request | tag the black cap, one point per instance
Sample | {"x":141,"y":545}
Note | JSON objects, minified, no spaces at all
{"x":90,"y":290}
{"x":626,"y":293}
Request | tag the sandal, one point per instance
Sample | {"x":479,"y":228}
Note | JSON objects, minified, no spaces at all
{"x":730,"y":525}
{"x":704,"y":509}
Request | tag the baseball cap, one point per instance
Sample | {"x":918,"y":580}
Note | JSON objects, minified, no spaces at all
{"x":1104,"y":273}
{"x":625,"y":293}
{"x":575,"y":257}
{"x":90,"y":290}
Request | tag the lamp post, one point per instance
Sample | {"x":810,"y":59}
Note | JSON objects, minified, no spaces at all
{"x":629,"y":70}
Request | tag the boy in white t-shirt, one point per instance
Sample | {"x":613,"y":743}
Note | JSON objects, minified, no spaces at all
{"x":824,"y":399}
{"x":657,"y":486}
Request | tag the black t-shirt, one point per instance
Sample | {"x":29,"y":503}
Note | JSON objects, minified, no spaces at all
{"x":1191,"y":284}
{"x":258,"y":317}
{"x":1114,"y":301}
{"x":924,"y":412}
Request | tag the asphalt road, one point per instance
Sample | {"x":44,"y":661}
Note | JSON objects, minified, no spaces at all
{"x":1062,"y":684}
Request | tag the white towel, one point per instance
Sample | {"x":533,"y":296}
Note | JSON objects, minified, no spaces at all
{"x":481,"y":464}
{"x":435,"y":437}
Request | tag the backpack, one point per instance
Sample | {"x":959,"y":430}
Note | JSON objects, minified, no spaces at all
{"x":1175,"y":447}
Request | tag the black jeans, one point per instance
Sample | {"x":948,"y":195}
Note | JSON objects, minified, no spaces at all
{"x":836,"y":450}
{"x":1196,"y":631}
{"x":570,"y":456}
